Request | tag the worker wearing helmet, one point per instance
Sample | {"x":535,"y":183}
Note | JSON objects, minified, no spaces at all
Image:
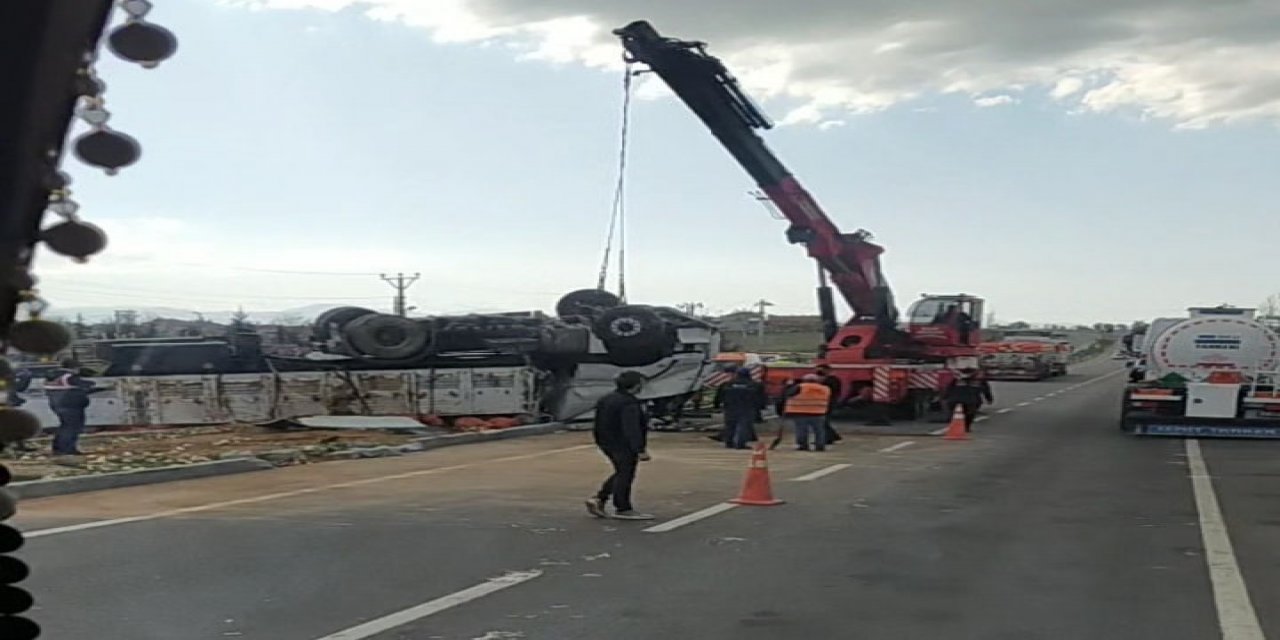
{"x":805,"y":406}
{"x":967,"y":391}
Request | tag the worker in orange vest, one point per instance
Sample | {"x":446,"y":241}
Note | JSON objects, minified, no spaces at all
{"x":806,"y":406}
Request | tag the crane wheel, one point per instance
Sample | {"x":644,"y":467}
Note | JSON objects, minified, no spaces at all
{"x":386,"y":336}
{"x":589,"y":303}
{"x":322,"y":329}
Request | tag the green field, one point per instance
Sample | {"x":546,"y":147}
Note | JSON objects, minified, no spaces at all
{"x":779,"y":342}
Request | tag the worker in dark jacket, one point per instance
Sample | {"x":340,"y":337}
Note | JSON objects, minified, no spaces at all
{"x":68,"y":396}
{"x":742,"y":399}
{"x":967,"y":391}
{"x":621,"y":434}
{"x":833,"y":383}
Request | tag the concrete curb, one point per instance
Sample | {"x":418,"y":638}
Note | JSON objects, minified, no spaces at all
{"x":79,"y":484}
{"x":467,"y":437}
{"x":103,"y":481}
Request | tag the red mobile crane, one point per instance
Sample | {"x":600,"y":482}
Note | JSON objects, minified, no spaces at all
{"x":870,"y":353}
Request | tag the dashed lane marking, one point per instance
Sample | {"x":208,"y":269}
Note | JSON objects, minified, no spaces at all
{"x":1236,"y":617}
{"x":418,"y":612}
{"x":898,"y":447}
{"x":825,"y":471}
{"x":1006,"y":410}
{"x":690,"y":518}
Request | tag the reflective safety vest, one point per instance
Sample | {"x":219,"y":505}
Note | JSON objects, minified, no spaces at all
{"x":811,"y":400}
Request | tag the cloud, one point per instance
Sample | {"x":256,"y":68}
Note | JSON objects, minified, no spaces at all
{"x":1191,"y":62}
{"x":995,"y":101}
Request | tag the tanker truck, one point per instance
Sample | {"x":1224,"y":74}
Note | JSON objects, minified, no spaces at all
{"x":1210,"y":374}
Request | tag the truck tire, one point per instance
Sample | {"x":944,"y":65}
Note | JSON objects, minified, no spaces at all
{"x":632,"y":328}
{"x":1125,"y":425}
{"x":387,"y":337}
{"x":321,"y":330}
{"x":588,"y":303}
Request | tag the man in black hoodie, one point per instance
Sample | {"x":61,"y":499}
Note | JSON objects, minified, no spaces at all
{"x":833,"y":383}
{"x":621,"y":433}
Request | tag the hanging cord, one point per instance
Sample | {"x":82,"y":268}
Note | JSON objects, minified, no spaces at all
{"x":617,"y":218}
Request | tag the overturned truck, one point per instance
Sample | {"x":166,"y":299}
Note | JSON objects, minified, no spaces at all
{"x":526,"y":364}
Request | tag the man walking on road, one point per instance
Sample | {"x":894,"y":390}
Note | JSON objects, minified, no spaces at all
{"x":967,"y":391}
{"x":805,"y":405}
{"x":742,"y":400}
{"x":621,"y":433}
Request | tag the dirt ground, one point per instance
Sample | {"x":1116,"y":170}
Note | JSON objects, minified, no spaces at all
{"x":127,"y":451}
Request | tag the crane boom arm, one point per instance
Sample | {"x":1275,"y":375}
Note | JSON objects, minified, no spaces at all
{"x":703,"y":83}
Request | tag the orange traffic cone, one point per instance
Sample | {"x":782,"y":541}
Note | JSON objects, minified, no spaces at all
{"x":955,"y":429}
{"x":756,"y":489}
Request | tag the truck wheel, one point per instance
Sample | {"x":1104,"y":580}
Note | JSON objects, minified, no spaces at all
{"x":386,"y":336}
{"x":589,"y":303}
{"x":632,"y":328}
{"x":1125,"y":425}
{"x":321,"y":330}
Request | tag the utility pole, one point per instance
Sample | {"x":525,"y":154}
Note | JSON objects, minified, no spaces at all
{"x":400,"y":283}
{"x":691,"y":308}
{"x":761,"y":306}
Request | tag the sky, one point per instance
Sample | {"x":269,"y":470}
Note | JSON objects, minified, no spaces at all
{"x":1078,"y":161}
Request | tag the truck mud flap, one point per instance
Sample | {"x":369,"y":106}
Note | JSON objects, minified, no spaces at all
{"x":1208,"y":430}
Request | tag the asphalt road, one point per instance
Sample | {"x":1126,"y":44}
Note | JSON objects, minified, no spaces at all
{"x":1047,"y":524}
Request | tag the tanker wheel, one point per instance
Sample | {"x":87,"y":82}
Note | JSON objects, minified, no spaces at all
{"x":340,"y":316}
{"x":588,"y":303}
{"x":389,"y":337}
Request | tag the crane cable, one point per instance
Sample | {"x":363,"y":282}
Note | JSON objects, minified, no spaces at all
{"x":617,"y":217}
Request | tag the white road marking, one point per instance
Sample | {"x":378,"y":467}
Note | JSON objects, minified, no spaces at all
{"x":95,"y":524}
{"x":897,"y":447}
{"x":938,"y":432}
{"x":1236,"y":617}
{"x":825,"y":471}
{"x":1037,"y":399}
{"x":692,"y":517}
{"x":401,"y":618}
{"x":1004,"y":411}
{"x":1024,"y":404}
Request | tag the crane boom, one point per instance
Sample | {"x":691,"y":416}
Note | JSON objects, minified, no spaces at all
{"x":703,"y":83}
